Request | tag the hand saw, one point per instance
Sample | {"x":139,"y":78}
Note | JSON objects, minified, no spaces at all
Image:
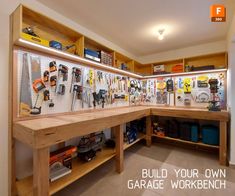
{"x":36,"y":77}
{"x":25,"y":89}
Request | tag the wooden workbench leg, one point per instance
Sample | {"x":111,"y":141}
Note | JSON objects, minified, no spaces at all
{"x":223,"y":143}
{"x":148,"y":131}
{"x":119,"y":147}
{"x":41,"y":172}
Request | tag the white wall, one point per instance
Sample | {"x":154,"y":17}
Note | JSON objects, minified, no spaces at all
{"x":231,"y":91}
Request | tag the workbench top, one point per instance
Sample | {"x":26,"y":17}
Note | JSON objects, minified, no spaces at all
{"x":47,"y":131}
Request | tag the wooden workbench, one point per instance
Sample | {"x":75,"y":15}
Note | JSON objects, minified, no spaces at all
{"x":42,"y":133}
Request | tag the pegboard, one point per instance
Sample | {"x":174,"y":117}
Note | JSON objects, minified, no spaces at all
{"x":158,"y":92}
{"x":115,"y":86}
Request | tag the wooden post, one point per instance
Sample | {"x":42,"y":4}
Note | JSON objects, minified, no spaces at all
{"x":223,"y":143}
{"x":148,"y":131}
{"x":41,"y":172}
{"x":119,"y":148}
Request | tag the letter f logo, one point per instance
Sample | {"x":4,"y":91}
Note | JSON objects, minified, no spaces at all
{"x":218,"y":13}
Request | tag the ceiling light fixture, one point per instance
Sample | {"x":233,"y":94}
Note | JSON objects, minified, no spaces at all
{"x":161,"y":34}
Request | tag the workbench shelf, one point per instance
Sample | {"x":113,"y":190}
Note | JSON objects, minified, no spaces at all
{"x":80,"y":168}
{"x":141,"y":136}
{"x":177,"y":140}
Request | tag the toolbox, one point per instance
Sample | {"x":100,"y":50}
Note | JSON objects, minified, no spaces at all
{"x":158,"y":68}
{"x":210,"y":135}
{"x":91,"y":54}
{"x":177,"y":68}
{"x":106,"y":58}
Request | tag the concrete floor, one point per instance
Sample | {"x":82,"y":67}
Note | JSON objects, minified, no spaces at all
{"x":105,"y":181}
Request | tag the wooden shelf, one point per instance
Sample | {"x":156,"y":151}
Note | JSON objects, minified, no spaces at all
{"x":49,"y":29}
{"x":219,"y":60}
{"x":80,"y":168}
{"x":186,"y":73}
{"x":146,"y":69}
{"x":120,"y":58}
{"x":186,"y":142}
{"x":141,"y":136}
{"x":24,"y":186}
{"x":168,"y":65}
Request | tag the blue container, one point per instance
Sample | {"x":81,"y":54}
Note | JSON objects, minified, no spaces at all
{"x":210,"y":135}
{"x":194,"y":133}
{"x":91,"y":53}
{"x":55,"y":44}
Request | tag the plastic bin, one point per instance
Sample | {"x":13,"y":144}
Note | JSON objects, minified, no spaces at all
{"x":210,"y":135}
{"x":194,"y":132}
{"x":185,"y":131}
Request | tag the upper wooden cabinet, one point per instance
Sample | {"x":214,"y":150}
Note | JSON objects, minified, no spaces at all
{"x":216,"y":60}
{"x":48,"y":30}
{"x":74,"y":43}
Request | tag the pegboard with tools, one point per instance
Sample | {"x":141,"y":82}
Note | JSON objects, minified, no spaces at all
{"x":184,"y":91}
{"x":49,"y":85}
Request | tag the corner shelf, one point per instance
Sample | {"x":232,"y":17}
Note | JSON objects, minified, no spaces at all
{"x":186,"y":142}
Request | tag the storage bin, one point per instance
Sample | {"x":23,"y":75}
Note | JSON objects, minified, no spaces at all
{"x":172,"y":128}
{"x":210,"y":135}
{"x":194,"y":132}
{"x":185,"y":131}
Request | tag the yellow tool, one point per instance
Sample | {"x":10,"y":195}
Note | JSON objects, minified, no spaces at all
{"x":187,"y":85}
{"x":161,"y":85}
{"x":91,"y":77}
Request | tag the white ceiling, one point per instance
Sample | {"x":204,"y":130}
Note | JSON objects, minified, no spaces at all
{"x":129,"y":23}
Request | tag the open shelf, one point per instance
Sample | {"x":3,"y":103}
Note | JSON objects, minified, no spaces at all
{"x":186,"y":73}
{"x":168,"y":65}
{"x":186,"y":142}
{"x":219,"y":60}
{"x":50,"y":30}
{"x":121,"y":59}
{"x":144,"y":69}
{"x":140,"y":137}
{"x":80,"y":168}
